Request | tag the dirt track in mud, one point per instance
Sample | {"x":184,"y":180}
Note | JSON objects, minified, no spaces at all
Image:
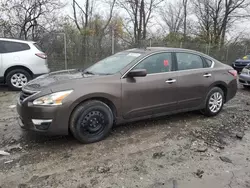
{"x":180,"y":151}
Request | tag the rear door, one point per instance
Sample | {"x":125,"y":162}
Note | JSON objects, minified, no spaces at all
{"x":194,"y":78}
{"x":153,"y":94}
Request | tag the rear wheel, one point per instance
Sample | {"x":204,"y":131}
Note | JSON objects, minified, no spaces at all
{"x":17,"y":78}
{"x":91,"y":121}
{"x":214,"y":102}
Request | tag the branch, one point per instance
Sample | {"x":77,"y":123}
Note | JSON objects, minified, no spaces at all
{"x":75,"y":18}
{"x":74,"y":1}
{"x":110,"y":15}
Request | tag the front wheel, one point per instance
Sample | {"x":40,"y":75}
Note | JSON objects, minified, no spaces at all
{"x":214,"y":102}
{"x":91,"y":121}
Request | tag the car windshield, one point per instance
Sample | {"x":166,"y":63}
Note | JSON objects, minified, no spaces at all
{"x":113,"y":64}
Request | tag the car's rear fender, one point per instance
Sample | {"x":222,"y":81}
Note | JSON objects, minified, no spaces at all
{"x":229,"y":89}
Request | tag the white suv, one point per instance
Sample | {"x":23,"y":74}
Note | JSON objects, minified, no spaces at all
{"x":20,"y":61}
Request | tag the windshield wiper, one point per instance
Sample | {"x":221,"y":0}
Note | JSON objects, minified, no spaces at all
{"x":88,"y":72}
{"x":105,"y":74}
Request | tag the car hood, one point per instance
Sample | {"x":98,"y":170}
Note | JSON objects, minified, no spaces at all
{"x":242,"y":61}
{"x":54,"y":78}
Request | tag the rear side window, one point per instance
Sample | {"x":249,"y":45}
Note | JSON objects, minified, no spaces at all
{"x":187,"y":61}
{"x":208,"y":62}
{"x":37,"y":47}
{"x":8,"y":46}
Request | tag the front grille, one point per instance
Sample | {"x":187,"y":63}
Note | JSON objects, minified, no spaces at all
{"x":25,"y":94}
{"x":239,"y":66}
{"x":242,"y":81}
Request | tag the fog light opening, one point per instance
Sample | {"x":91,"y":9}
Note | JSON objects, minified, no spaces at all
{"x":42,"y":124}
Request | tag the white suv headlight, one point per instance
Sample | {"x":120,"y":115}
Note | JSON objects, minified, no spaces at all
{"x":52,"y":99}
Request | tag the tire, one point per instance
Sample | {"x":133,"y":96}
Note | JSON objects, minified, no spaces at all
{"x":21,"y":77}
{"x":246,"y":87}
{"x":213,"y":94}
{"x":85,"y":121}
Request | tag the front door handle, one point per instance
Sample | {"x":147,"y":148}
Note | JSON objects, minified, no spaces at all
{"x":207,"y":75}
{"x":170,"y":81}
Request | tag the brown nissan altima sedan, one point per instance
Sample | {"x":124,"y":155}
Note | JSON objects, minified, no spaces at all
{"x":131,"y":85}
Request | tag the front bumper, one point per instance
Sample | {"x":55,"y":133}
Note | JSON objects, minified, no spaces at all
{"x":42,"y":119}
{"x":244,"y":79}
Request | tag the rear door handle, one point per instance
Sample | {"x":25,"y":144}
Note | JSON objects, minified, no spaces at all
{"x":170,"y":81}
{"x":207,"y":75}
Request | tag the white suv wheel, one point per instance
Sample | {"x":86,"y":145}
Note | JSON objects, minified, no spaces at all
{"x":16,"y":79}
{"x":19,"y":80}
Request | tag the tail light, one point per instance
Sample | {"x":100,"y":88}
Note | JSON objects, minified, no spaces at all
{"x":41,"y":55}
{"x":233,"y":72}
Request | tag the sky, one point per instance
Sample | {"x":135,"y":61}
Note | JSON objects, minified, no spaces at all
{"x":240,"y":27}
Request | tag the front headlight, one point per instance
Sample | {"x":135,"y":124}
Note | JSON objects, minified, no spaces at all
{"x":52,"y":99}
{"x":245,"y":71}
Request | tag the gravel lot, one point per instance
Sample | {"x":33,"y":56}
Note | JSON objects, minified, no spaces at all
{"x":180,"y":151}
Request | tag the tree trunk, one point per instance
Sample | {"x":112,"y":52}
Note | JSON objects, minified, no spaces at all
{"x":136,"y":26}
{"x":144,"y":25}
{"x":140,"y":23}
{"x":185,"y":20}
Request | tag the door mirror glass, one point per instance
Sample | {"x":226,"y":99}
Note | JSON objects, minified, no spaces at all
{"x":137,"y":73}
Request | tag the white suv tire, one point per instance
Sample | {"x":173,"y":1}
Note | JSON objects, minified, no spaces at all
{"x":17,"y":78}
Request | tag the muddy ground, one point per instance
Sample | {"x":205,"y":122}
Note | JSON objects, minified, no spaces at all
{"x":180,"y":151}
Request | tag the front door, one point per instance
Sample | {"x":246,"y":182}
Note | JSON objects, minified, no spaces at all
{"x":194,"y":79}
{"x":153,"y":94}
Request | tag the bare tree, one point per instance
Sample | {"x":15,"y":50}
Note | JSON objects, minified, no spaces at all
{"x":233,"y":9}
{"x":140,"y":12}
{"x":202,"y":12}
{"x":92,"y":26}
{"x":185,"y":6}
{"x":84,"y":15}
{"x":172,"y":16}
{"x":26,"y":18}
{"x":217,"y":16}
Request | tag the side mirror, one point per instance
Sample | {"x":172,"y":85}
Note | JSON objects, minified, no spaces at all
{"x":137,"y":73}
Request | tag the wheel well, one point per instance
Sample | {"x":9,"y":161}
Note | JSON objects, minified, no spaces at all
{"x":104,"y":100}
{"x":17,"y":67}
{"x":224,"y":89}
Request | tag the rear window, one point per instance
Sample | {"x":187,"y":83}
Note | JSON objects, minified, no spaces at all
{"x":8,"y":46}
{"x":209,"y":62}
{"x":38,"y":47}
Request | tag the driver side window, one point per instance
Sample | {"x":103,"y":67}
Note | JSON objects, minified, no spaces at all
{"x":157,"y":63}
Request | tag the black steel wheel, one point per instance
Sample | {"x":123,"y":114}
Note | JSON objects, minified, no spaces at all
{"x":91,"y":121}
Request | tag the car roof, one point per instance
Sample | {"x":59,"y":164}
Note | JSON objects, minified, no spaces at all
{"x":16,"y":40}
{"x":156,"y":49}
{"x":149,"y":50}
